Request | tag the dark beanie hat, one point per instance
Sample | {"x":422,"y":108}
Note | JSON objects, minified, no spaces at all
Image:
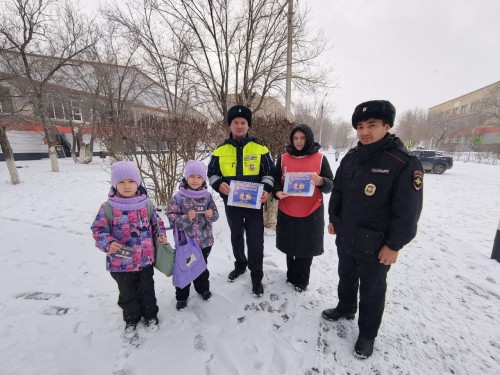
{"x":239,"y":111}
{"x":376,"y":109}
{"x":304,"y":128}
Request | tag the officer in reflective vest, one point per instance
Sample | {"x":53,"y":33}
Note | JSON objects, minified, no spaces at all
{"x":243,"y":158}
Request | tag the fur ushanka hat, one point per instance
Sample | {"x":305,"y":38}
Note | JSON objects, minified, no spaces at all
{"x":376,"y":109}
{"x":239,"y":111}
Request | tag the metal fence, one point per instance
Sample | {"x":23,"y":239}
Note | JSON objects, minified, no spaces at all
{"x":477,"y":157}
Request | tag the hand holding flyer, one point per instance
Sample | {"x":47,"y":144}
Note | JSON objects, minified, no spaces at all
{"x":245,"y":194}
{"x":298,"y":184}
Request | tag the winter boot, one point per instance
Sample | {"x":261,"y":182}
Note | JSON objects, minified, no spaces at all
{"x":206,"y":295}
{"x":334,"y":315}
{"x":234,"y":274}
{"x":300,"y":288}
{"x":153,"y":324}
{"x":130,"y":330}
{"x":257,"y":288}
{"x":363,"y":347}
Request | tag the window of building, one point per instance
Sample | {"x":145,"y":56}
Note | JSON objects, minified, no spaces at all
{"x":463,"y":109}
{"x":473,"y":107}
{"x":54,"y":108}
{"x":76,"y":112}
{"x":455,"y":110}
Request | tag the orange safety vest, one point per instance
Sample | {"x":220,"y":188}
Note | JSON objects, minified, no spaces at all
{"x":301,"y":206}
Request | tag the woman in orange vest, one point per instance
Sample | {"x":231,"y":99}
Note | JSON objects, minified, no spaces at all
{"x":302,"y":175}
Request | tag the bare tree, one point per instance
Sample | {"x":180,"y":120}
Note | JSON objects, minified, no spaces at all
{"x":161,"y":55}
{"x":243,"y":50}
{"x":39,"y":37}
{"x":8,"y":155}
{"x":317,"y":115}
{"x":343,"y":134}
{"x":182,"y":133}
{"x":490,"y":110}
{"x":412,"y":125}
{"x":7,"y":114}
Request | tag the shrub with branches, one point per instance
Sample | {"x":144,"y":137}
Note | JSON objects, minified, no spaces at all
{"x":160,"y":146}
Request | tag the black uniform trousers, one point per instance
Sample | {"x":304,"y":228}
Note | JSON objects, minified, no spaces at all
{"x":137,"y":294}
{"x":201,"y":283}
{"x":250,"y":222}
{"x":298,"y":270}
{"x":369,"y":277}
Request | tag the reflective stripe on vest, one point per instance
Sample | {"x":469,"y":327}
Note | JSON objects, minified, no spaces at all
{"x":228,"y":157}
{"x":301,"y":206}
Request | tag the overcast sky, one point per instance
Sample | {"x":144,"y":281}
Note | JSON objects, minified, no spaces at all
{"x":415,"y":53}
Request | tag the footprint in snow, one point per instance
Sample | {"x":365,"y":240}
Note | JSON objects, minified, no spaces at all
{"x":83,"y":329}
{"x":270,"y":263}
{"x":341,"y":331}
{"x":39,"y":296}
{"x":58,"y":311}
{"x":200,"y":343}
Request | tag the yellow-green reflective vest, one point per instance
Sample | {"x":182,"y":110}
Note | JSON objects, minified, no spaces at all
{"x":252,"y":153}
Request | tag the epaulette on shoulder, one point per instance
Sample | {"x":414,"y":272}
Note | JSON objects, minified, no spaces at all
{"x":255,"y":140}
{"x":351,"y":150}
{"x":404,"y":150}
{"x":401,"y":154}
{"x":223,"y":143}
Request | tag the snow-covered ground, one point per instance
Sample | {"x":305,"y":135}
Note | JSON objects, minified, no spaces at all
{"x":59,"y":315}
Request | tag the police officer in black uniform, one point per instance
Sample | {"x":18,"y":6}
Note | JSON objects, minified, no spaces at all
{"x":374,"y":209}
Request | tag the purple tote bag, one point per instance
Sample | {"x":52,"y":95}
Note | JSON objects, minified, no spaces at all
{"x":189,"y":262}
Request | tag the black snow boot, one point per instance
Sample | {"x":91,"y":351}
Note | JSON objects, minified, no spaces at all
{"x":234,"y":274}
{"x":257,"y":288}
{"x":363,"y":347}
{"x":334,"y":315}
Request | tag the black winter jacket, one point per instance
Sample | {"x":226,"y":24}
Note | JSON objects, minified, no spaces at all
{"x":302,"y":237}
{"x":376,"y":198}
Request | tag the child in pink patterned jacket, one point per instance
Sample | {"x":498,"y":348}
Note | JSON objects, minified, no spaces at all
{"x":128,"y":242}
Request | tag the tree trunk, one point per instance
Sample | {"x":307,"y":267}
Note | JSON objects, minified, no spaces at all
{"x":50,"y":134}
{"x":83,"y":153}
{"x":9,"y":156}
{"x":77,"y":143}
{"x":54,"y":163}
{"x":87,"y":151}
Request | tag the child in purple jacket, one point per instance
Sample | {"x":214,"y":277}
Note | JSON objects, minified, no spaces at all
{"x":128,"y":242}
{"x":194,"y":215}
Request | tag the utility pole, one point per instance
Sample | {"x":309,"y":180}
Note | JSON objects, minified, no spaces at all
{"x":321,"y":118}
{"x":288,"y":99}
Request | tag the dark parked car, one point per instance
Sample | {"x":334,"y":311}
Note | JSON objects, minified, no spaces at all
{"x":435,"y":161}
